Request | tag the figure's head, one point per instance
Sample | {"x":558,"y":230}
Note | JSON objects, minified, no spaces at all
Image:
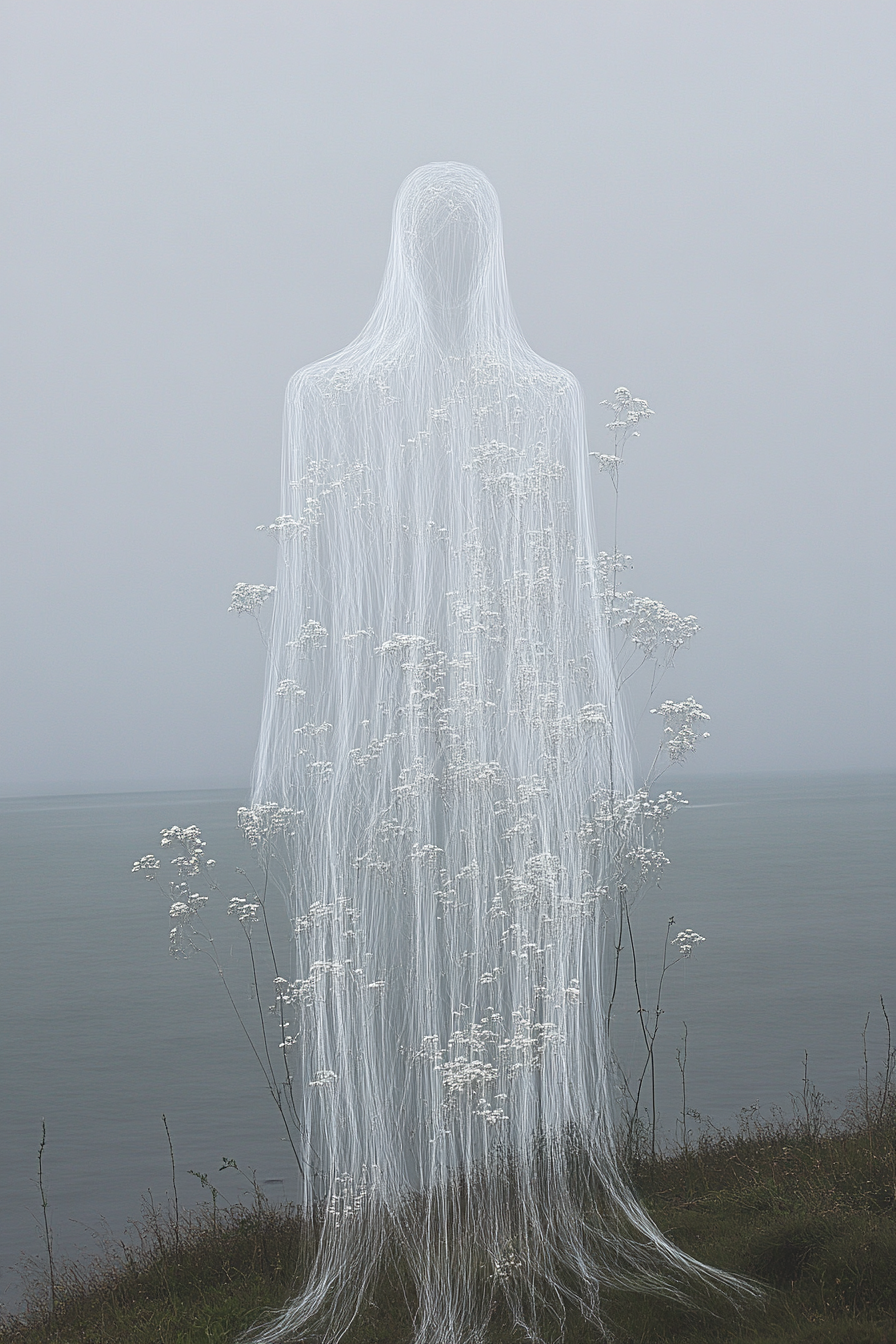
{"x":448,"y":225}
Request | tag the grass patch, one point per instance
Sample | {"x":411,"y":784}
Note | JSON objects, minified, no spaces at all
{"x":808,"y":1209}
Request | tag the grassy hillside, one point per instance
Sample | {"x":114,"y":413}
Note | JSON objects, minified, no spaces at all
{"x":808,"y":1209}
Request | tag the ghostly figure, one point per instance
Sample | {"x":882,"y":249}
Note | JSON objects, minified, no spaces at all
{"x":438,"y":721}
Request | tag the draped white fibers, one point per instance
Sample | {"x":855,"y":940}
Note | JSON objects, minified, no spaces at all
{"x":439,"y":717}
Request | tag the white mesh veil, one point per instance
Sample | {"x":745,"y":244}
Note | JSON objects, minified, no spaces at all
{"x":438,"y":716}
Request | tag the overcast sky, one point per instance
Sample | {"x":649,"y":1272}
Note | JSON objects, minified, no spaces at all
{"x":698,"y":204}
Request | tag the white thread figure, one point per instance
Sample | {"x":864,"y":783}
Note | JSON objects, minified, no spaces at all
{"x":440,"y":717}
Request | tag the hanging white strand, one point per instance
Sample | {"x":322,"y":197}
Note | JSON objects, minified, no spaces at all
{"x":438,"y":719}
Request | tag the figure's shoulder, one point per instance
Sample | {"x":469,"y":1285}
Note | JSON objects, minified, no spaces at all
{"x":354,"y":376}
{"x":331,"y":380}
{"x":549,"y":382}
{"x":315,"y":381}
{"x":522,"y":369}
{"x":559,"y":380}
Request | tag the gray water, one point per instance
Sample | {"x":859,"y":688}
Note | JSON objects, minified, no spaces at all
{"x":790,"y":879}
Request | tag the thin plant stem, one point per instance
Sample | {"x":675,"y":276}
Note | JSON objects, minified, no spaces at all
{"x":866,"y":1096}
{"x":682,"y":1058}
{"x":656,"y":1026}
{"x":621,"y":890}
{"x":48,"y":1236}
{"x":174,"y":1188}
{"x":641,"y":1010}
{"x":650,"y":1035}
{"x":272,"y":1087}
{"x":262,"y":901}
{"x":889,"y":1063}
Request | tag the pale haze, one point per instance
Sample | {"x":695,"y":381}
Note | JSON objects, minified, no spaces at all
{"x":697,"y":203}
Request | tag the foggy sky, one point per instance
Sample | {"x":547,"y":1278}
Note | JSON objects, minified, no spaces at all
{"x":698,"y":204}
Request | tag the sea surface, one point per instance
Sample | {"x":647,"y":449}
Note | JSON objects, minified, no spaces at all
{"x":788,"y":878}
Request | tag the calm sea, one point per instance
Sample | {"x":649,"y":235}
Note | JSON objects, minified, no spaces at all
{"x":790,"y":880}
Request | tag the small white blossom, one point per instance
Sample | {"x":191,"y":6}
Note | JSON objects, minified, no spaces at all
{"x":680,"y":733}
{"x":610,"y":464}
{"x":246,"y":911}
{"x":628,"y":411}
{"x":687,"y":941}
{"x":287,"y":528}
{"x":182,"y":912}
{"x":312,"y":636}
{"x":191,"y":862}
{"x":462,"y":1075}
{"x":265,"y":821}
{"x":595,"y":716}
{"x":649,"y":862}
{"x":147,"y":866}
{"x":654,"y":630}
{"x":290,"y":690}
{"x":248,"y":598}
{"x":507,"y":1264}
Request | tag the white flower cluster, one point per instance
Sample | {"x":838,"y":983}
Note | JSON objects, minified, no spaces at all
{"x":492,"y":1115}
{"x":290,"y":690}
{"x":657,"y":810}
{"x":414,"y":783}
{"x":191,"y":862}
{"x":595,"y":717}
{"x":312,"y":636}
{"x":466,"y":1071}
{"x":361,"y":756}
{"x":265,"y":821}
{"x":467,"y":775}
{"x":425,"y":665}
{"x":601,"y":575}
{"x":625,"y":823}
{"x":425,"y":853}
{"x":507,"y":1264}
{"x":680,"y":732}
{"x":348,"y":1197}
{"x":505,"y":473}
{"x":530,"y":1041}
{"x":687,"y":941}
{"x":311,"y":730}
{"x":183,"y":911}
{"x":648,"y":862}
{"x":287,"y":528}
{"x":609,"y":463}
{"x":654,"y":630}
{"x":478,"y":1054}
{"x":318,"y":913}
{"x":540,"y":880}
{"x":148,"y":865}
{"x":247,"y":599}
{"x":628,"y":411}
{"x":326,"y":477}
{"x":245,"y":910}
{"x":321,"y":974}
{"x":465,"y":1075}
{"x":185,"y":905}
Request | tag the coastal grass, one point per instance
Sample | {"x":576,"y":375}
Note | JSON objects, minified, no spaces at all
{"x":804,"y":1207}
